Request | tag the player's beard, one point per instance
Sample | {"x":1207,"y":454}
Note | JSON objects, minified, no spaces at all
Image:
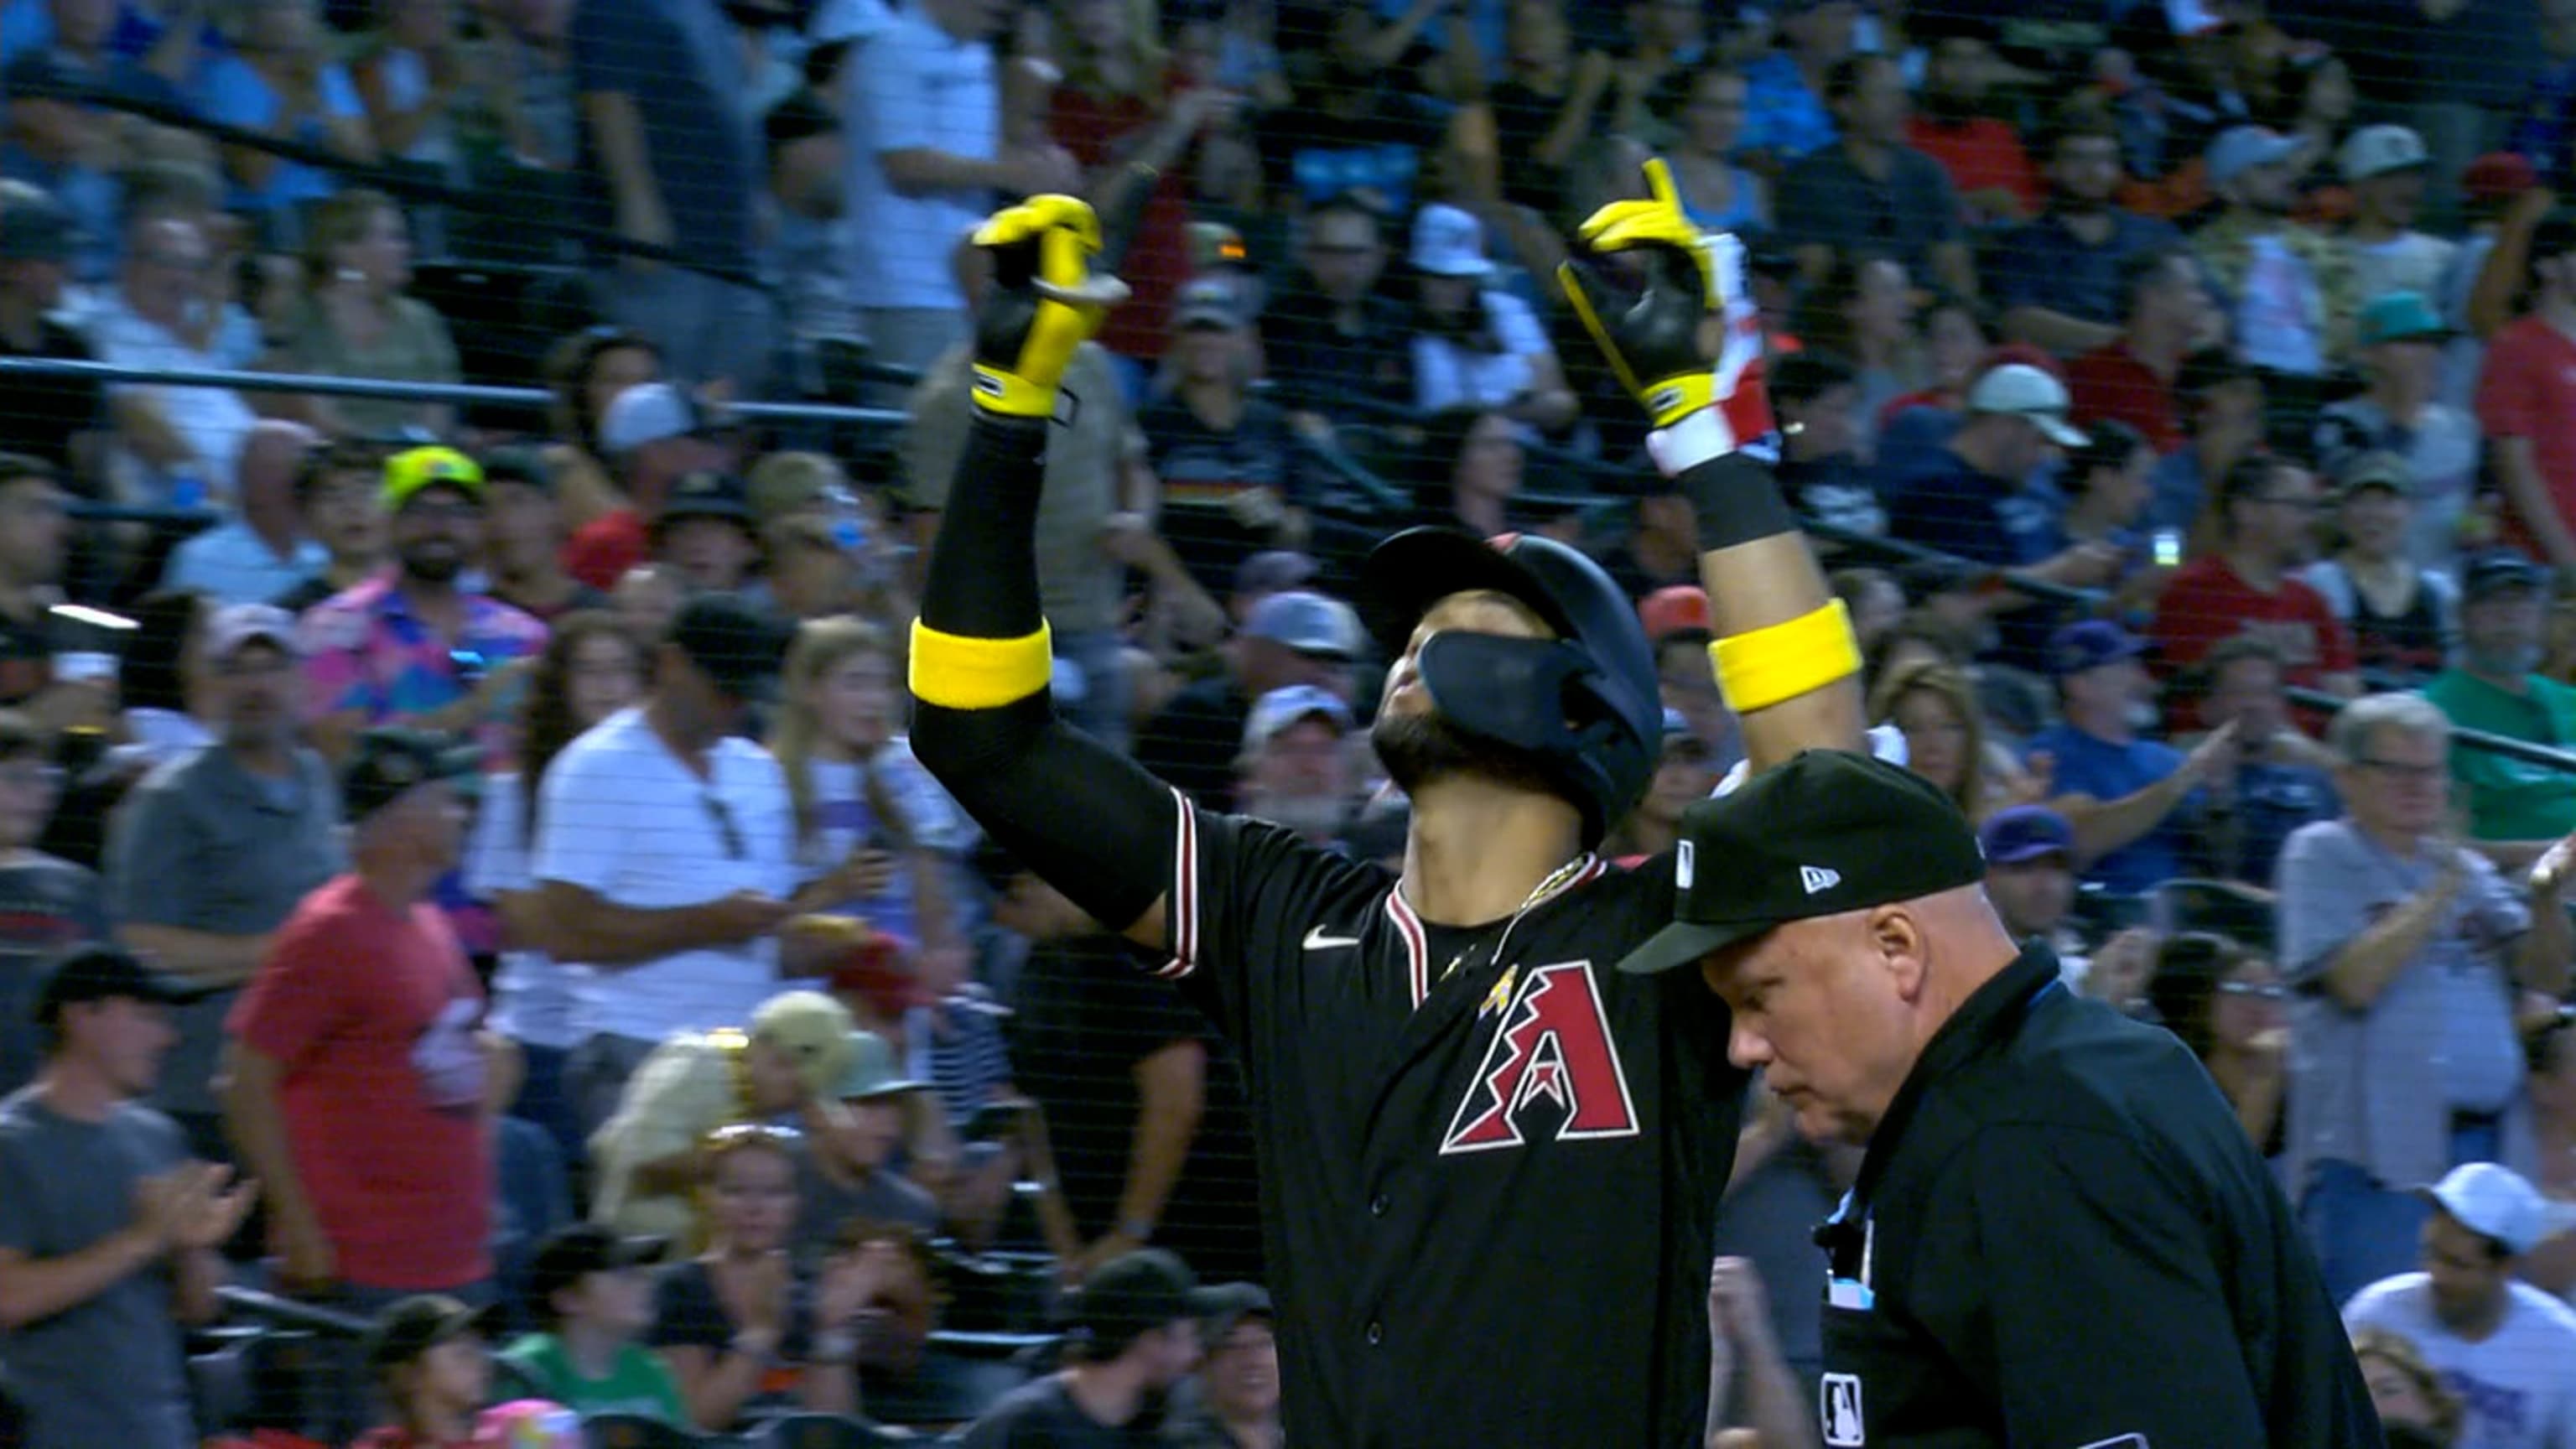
{"x":1419,"y":749}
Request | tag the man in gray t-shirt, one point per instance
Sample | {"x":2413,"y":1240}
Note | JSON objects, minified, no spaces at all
{"x":2404,"y":952}
{"x":90,"y":1177}
{"x":212,"y":851}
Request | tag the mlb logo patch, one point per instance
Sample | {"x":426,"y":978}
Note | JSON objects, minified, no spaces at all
{"x":1838,"y":1409}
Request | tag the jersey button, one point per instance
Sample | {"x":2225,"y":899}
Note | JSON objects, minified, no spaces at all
{"x":1378,"y":1206}
{"x":1376,"y":1333}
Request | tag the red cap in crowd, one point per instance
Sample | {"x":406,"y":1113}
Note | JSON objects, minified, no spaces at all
{"x":1678,"y":609}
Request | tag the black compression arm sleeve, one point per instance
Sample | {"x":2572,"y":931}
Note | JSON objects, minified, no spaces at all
{"x":1085,"y":818}
{"x":1736,"y":500}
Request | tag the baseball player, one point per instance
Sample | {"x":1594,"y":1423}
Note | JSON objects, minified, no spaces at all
{"x":1489,"y":1164}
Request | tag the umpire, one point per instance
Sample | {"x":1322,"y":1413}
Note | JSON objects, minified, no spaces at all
{"x":2060,"y":1236}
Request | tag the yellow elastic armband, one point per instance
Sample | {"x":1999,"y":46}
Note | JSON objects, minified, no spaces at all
{"x":1800,"y":656}
{"x":1011,"y":396}
{"x":955,"y":672}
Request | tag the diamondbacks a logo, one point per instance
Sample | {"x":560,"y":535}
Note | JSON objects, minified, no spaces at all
{"x":1553,"y":1045}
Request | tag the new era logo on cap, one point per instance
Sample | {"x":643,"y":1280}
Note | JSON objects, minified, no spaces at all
{"x":1816,"y":878}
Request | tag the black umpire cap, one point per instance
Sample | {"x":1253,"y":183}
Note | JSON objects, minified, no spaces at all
{"x":1828,"y":832}
{"x":101,"y":973}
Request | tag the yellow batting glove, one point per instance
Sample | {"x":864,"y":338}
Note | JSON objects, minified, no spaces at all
{"x":1044,"y":302}
{"x":1681,"y":336}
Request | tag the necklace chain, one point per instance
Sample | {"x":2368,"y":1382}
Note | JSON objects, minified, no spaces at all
{"x":1556,"y":880}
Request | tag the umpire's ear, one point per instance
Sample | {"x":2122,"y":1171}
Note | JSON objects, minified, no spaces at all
{"x":1899,"y":941}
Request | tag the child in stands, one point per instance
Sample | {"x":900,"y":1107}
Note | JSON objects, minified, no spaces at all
{"x":594,"y":1292}
{"x":433,"y":1369}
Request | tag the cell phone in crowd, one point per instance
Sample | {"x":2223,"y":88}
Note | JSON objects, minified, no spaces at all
{"x":2168,"y":548}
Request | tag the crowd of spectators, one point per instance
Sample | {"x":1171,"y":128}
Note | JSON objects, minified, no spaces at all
{"x":485,"y":834}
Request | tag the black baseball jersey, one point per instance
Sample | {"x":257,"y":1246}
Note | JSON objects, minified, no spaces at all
{"x":2060,"y":1237}
{"x":1490,"y":1163}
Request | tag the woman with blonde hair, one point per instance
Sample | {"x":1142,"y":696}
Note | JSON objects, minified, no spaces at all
{"x":2405,"y":1389}
{"x":861,"y":798}
{"x":1131,"y":122}
{"x":354,"y":320}
{"x":743,"y":1324}
{"x":1935,"y":707}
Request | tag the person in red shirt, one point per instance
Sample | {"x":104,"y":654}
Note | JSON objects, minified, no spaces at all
{"x":362,"y":1083}
{"x":431,"y":1358}
{"x":1132,"y":126}
{"x":654,"y":434}
{"x":2265,"y":507}
{"x":1985,"y":160}
{"x":2132,"y":379}
{"x":2527,"y":402}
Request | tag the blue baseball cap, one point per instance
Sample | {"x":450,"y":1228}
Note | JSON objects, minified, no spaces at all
{"x":2090,"y":645}
{"x":2025,"y":832}
{"x":1306,"y":622}
{"x":2240,"y":149}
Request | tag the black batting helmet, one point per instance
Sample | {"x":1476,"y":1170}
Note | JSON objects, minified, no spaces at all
{"x":1585,"y":703}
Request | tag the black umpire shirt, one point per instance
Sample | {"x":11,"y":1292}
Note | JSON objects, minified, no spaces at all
{"x":2061,"y":1238}
{"x":1489,"y":1162}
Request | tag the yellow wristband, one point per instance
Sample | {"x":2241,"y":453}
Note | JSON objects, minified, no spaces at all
{"x":1675,"y":398}
{"x":1804,"y":654}
{"x":997,"y":391}
{"x":955,"y":672}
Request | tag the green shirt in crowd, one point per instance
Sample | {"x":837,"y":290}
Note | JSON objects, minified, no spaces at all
{"x":638,"y":1383}
{"x":2509,"y":800}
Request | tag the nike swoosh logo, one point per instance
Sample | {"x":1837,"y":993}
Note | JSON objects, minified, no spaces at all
{"x":1316,"y":940}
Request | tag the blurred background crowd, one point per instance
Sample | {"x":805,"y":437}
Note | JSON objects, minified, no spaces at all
{"x":2183,"y":395}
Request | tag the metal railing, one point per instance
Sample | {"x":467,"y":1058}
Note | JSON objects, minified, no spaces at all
{"x":408,"y":183}
{"x":277,"y":1312}
{"x":530,"y":398}
{"x":1621,"y":480}
{"x":2523,"y":751}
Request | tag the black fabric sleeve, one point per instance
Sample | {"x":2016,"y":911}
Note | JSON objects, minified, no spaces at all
{"x":1086,"y":819}
{"x":1736,"y":500}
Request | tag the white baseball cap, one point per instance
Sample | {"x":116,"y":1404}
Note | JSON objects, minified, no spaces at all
{"x":2496,"y":1203}
{"x":2026,"y":391}
{"x":2378,"y":150}
{"x":651,"y":411}
{"x":1448,"y":242}
{"x":1280,"y":708}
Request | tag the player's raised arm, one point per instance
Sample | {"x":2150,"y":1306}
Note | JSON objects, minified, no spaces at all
{"x":1666,"y":303}
{"x":1086,"y":819}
